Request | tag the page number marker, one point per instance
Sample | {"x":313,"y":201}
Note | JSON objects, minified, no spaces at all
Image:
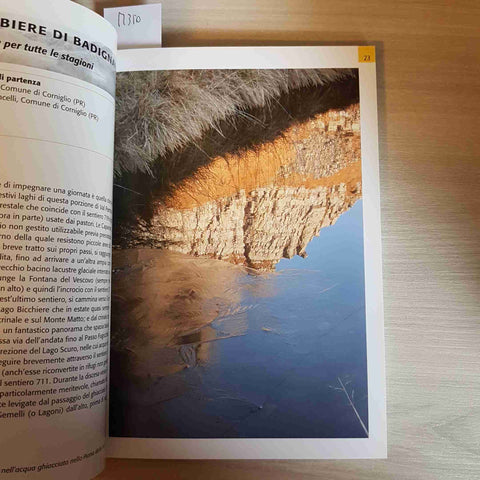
{"x":366,"y":54}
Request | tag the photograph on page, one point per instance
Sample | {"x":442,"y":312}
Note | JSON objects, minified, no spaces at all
{"x":238,"y":287}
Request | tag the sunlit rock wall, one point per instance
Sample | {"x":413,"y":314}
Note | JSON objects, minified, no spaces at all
{"x":258,"y":207}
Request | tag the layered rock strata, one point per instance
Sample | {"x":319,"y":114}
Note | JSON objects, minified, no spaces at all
{"x":257,"y":207}
{"x":255,"y":229}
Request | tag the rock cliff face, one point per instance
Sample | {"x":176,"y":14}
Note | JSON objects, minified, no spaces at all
{"x":260,"y":206}
{"x":257,"y":229}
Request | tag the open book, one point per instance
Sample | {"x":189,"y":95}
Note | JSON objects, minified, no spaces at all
{"x":190,"y":256}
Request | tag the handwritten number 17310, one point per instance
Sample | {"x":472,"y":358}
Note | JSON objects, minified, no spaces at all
{"x":127,"y":19}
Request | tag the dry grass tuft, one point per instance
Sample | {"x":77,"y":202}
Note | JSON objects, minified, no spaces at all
{"x":162,"y":112}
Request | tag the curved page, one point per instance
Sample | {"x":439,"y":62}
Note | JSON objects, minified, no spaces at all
{"x":57,"y":81}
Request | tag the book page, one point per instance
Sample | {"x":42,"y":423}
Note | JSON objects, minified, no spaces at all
{"x":247,"y":291}
{"x":57,"y":84}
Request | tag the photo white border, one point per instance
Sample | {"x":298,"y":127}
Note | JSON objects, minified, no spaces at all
{"x":283,"y":448}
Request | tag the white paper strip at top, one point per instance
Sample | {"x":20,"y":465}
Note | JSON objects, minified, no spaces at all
{"x":139,"y":26}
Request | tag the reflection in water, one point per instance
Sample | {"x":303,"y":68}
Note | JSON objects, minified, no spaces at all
{"x":256,"y":207}
{"x":202,"y":348}
{"x":226,"y":328}
{"x":163,"y":299}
